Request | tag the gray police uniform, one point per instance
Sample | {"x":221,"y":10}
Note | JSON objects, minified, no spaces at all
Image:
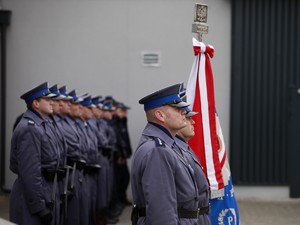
{"x":200,"y":179}
{"x":57,"y":124}
{"x":93,"y":169}
{"x":32,"y":154}
{"x":64,"y":173}
{"x":85,"y":195}
{"x":164,"y":186}
{"x":103,"y":175}
{"x":162,"y":183}
{"x":109,"y":149}
{"x":57,"y":149}
{"x":73,"y":155}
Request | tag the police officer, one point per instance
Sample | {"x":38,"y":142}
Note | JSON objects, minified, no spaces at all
{"x":201,"y":185}
{"x":108,"y":145}
{"x":109,"y":151}
{"x":124,"y":152}
{"x":103,"y":175}
{"x":86,"y":195}
{"x":69,"y":110}
{"x":163,"y":187}
{"x":56,"y":121}
{"x":34,"y":158}
{"x":92,"y":167}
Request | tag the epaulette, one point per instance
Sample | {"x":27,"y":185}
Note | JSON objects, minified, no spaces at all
{"x":159,"y":142}
{"x":31,"y":122}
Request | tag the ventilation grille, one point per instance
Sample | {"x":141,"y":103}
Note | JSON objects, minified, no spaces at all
{"x":151,"y":59}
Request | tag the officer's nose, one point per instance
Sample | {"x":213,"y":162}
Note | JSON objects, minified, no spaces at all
{"x":182,"y":111}
{"x":193,"y":122}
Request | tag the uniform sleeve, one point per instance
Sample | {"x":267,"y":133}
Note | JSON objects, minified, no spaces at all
{"x":159,"y":187}
{"x":72,"y":141}
{"x":102,"y":139}
{"x":29,"y":166}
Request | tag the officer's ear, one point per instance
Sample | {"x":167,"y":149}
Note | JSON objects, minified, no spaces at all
{"x":35,"y":104}
{"x":160,"y":115}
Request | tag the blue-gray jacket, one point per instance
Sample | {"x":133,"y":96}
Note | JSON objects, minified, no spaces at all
{"x":162,"y":181}
{"x":32,"y":150}
{"x":201,"y":181}
{"x":74,"y":143}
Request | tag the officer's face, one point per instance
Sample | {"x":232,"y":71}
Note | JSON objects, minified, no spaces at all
{"x":121,"y":113}
{"x":174,"y":118}
{"x":64,"y":107}
{"x":56,"y":106}
{"x":87,"y":113}
{"x":107,"y":115}
{"x":43,"y":106}
{"x":75,"y":111}
{"x":188,"y":131}
{"x":96,"y":112}
{"x":80,"y":110}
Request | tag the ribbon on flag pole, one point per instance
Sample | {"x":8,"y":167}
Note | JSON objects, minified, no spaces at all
{"x":201,"y":97}
{"x":208,"y":143}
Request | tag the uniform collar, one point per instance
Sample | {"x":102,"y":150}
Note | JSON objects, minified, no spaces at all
{"x":69,"y":118}
{"x":184,"y":146}
{"x":181,"y":143}
{"x":56,"y":118}
{"x":155,"y":130}
{"x":180,"y":138}
{"x":162,"y":128}
{"x":33,"y":115}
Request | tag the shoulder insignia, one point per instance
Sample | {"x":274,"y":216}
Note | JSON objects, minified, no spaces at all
{"x":31,"y":122}
{"x":159,"y":142}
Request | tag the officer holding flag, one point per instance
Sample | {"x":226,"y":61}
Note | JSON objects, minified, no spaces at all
{"x":163,"y":184}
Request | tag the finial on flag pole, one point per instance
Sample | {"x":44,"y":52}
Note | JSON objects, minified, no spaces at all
{"x":200,"y":20}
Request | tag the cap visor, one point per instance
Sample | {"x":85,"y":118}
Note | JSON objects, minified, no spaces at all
{"x":100,"y":105}
{"x":190,"y":114}
{"x":49,"y":95}
{"x":68,"y":97}
{"x":78,"y":100}
{"x":60,"y":97}
{"x":180,"y":105}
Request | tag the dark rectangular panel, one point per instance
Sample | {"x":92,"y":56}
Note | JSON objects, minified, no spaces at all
{"x":264,"y":63}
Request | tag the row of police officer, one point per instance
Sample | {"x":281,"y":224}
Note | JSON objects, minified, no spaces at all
{"x":64,"y":150}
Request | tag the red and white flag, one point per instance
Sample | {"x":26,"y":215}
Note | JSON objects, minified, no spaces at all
{"x":201,"y":97}
{"x":208,"y":142}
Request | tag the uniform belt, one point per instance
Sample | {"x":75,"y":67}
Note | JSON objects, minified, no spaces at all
{"x":92,"y":169}
{"x":182,"y":213}
{"x":80,"y":164}
{"x":49,"y":174}
{"x":106,"y":152}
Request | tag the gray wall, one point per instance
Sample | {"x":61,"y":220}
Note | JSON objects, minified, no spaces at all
{"x":95,"y":46}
